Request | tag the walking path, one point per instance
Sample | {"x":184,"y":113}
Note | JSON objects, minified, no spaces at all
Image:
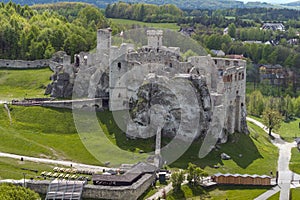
{"x":56,"y":162}
{"x":160,"y":192}
{"x":285,"y":175}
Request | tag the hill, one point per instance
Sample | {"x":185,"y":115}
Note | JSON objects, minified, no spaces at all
{"x":192,"y":4}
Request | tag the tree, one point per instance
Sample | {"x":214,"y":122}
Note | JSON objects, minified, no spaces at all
{"x":10,"y":191}
{"x":272,"y":119}
{"x":177,"y":179}
{"x":195,"y":174}
{"x":232,"y":30}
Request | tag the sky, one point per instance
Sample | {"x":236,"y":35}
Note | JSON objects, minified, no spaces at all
{"x":272,"y":1}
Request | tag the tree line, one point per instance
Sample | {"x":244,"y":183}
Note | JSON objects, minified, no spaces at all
{"x":28,"y":34}
{"x":287,"y":106}
{"x":144,"y":12}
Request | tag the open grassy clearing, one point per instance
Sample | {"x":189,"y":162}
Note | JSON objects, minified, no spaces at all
{"x":14,"y":169}
{"x":45,"y":132}
{"x":217,"y":193}
{"x":19,"y":84}
{"x":295,"y":161}
{"x":42,"y":132}
{"x":134,"y":24}
{"x":258,"y":155}
{"x":295,"y":194}
{"x":275,"y":196}
{"x":288,"y":131}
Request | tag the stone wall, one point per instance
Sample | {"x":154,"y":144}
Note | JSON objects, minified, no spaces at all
{"x":103,"y":192}
{"x":22,"y":64}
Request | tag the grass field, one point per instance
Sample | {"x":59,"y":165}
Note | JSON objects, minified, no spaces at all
{"x":14,"y":169}
{"x":51,"y":133}
{"x":42,"y":132}
{"x":295,"y":194}
{"x":258,"y":155}
{"x":218,"y":193}
{"x":132,"y":23}
{"x":288,"y":131}
{"x":275,"y":196}
{"x":295,"y":161}
{"x":18,"y":84}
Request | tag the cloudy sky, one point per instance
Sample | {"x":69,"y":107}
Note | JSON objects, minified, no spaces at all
{"x":272,"y":1}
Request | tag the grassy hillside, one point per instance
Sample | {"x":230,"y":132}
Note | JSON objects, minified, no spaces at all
{"x":18,"y":84}
{"x":132,"y":23}
{"x":51,"y":133}
{"x":250,"y":155}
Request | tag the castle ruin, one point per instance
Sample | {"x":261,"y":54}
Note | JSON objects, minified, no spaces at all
{"x":134,"y":79}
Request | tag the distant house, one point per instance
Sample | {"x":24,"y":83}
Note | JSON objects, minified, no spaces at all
{"x":225,"y":32}
{"x":273,"y":74}
{"x":233,"y":56}
{"x":272,"y":42}
{"x":187,"y":31}
{"x":252,"y":42}
{"x":293,"y":41}
{"x":218,"y":53}
{"x":273,"y":26}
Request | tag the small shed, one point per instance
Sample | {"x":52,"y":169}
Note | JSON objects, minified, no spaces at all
{"x":239,"y":179}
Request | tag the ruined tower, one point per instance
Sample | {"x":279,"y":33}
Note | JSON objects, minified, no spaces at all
{"x":155,"y":38}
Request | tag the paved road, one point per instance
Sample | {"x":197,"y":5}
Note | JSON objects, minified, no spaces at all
{"x":285,"y":175}
{"x":159,"y":193}
{"x":56,"y":162}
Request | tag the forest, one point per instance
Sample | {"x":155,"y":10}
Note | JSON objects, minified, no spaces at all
{"x":144,"y":12}
{"x":28,"y":34}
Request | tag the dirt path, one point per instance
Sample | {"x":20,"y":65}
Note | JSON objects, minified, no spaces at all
{"x":56,"y":162}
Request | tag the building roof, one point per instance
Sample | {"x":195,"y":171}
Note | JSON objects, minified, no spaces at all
{"x":242,"y":175}
{"x":130,"y":176}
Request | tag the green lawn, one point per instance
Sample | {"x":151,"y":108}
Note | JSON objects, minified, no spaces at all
{"x":295,"y":194}
{"x":42,"y":132}
{"x":218,"y":193}
{"x":289,"y":130}
{"x":295,"y":161}
{"x":275,"y":196}
{"x":258,"y":155}
{"x":14,"y":169}
{"x":19,"y":84}
{"x":130,"y":23}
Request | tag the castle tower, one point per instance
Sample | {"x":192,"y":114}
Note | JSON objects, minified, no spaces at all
{"x":155,"y":38}
{"x":103,"y":45}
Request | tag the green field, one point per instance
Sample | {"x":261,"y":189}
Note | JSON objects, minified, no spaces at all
{"x":288,"y":131}
{"x":218,"y":193}
{"x":132,"y":23}
{"x":19,"y":84}
{"x":15,"y":169}
{"x":258,"y":155}
{"x":275,"y":196}
{"x":295,"y":194}
{"x":51,"y":133}
{"x":295,"y":161}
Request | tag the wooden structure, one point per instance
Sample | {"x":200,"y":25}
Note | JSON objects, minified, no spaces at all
{"x":238,"y":179}
{"x":130,"y":177}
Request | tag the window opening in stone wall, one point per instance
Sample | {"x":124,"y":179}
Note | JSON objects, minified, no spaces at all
{"x":119,"y":66}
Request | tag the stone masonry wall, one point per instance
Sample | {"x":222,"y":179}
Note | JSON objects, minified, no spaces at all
{"x":103,"y":192}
